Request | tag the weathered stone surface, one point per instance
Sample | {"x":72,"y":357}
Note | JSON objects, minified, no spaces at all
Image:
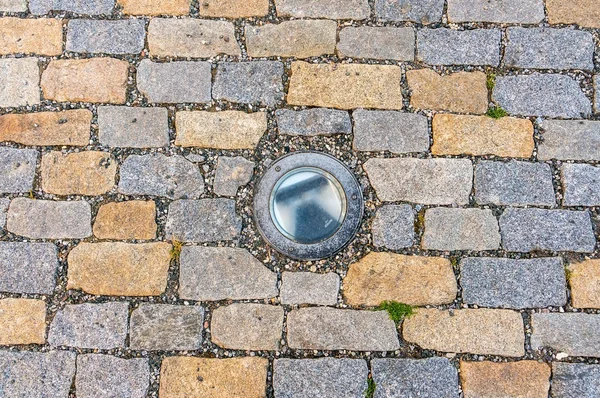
{"x":315,"y":121}
{"x":429,"y":377}
{"x":191,"y":37}
{"x":86,"y":80}
{"x":95,"y":7}
{"x":309,"y":288}
{"x":525,"y":230}
{"x":232,"y":173}
{"x":584,"y":280}
{"x":459,"y":47}
{"x":477,"y":331}
{"x":581,"y":12}
{"x":101,"y":36}
{"x":36,"y":374}
{"x":4,"y":203}
{"x":331,"y":9}
{"x":257,"y":82}
{"x":296,"y":38}
{"x":120,"y":126}
{"x":165,"y":327}
{"x":550,"y":95}
{"x":206,"y":220}
{"x":427,"y":181}
{"x":482,"y":135}
{"x":19,"y":82}
{"x":27,"y":267}
{"x":80,"y":173}
{"x":155,"y":7}
{"x":119,"y":269}
{"x":221,"y":130}
{"x":234,"y":8}
{"x":508,"y":283}
{"x":570,"y":140}
{"x":30,"y":36}
{"x":581,"y":183}
{"x":364,"y":86}
{"x":223,"y":273}
{"x":597,"y":93}
{"x":323,"y":328}
{"x":420,"y":11}
{"x":508,"y":379}
{"x":47,"y":219}
{"x":575,"y":380}
{"x":105,"y":376}
{"x":134,"y":219}
{"x":22,"y":321}
{"x":174,"y":82}
{"x":393,"y":227}
{"x":17,"y":169}
{"x":321,"y":377}
{"x":575,"y":334}
{"x":247,"y":326}
{"x":462,"y":92}
{"x":392,"y":131}
{"x":102,"y":326}
{"x":244,"y":377}
{"x":377,"y":43}
{"x":70,"y":128}
{"x":499,"y":11}
{"x":413,"y":280}
{"x":160,"y":175}
{"x":13,"y":5}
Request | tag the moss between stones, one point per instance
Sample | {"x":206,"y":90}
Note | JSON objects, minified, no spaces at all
{"x":371,"y":387}
{"x":496,"y":112}
{"x":397,"y":311}
{"x":176,"y":250}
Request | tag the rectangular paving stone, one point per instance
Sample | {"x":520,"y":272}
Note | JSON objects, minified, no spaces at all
{"x":69,"y":128}
{"x":323,"y":328}
{"x":13,"y":5}
{"x":315,"y":121}
{"x":320,"y":377}
{"x":234,"y":8}
{"x":525,"y":230}
{"x":476,"y":331}
{"x":111,"y":37}
{"x":100,"y":326}
{"x":377,"y":43}
{"x":545,"y":48}
{"x":394,"y":227}
{"x":514,"y":183}
{"x":575,"y":380}
{"x":120,"y":126}
{"x":22,"y":321}
{"x":460,"y":229}
{"x":217,"y":217}
{"x":549,"y":95}
{"x":78,"y":173}
{"x":581,"y":185}
{"x":105,"y":376}
{"x":426,"y":181}
{"x":257,"y":82}
{"x":576,"y":334}
{"x":396,"y":132}
{"x":453,"y":47}
{"x":19,"y":82}
{"x":508,"y":283}
{"x":47,"y":219}
{"x":297,"y":38}
{"x":420,"y":11}
{"x":96,"y":7}
{"x":155,"y":7}
{"x":309,"y":288}
{"x":584,"y":13}
{"x":498,"y":11}
{"x":345,"y":86}
{"x":569,"y":140}
{"x":31,"y":36}
{"x":331,"y":9}
{"x":584,"y":280}
{"x":232,"y":173}
{"x":36,"y":374}
{"x":17,"y":169}
{"x":27,"y":267}
{"x":165,"y":327}
{"x":132,"y":219}
{"x":429,"y":377}
{"x":175,"y":82}
{"x":190,"y":37}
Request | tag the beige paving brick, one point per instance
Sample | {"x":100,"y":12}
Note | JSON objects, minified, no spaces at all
{"x":70,"y":128}
{"x":133,"y":219}
{"x":413,"y":280}
{"x":31,"y":36}
{"x":19,"y":82}
{"x":332,"y":9}
{"x":584,"y":279}
{"x":119,"y":269}
{"x":581,"y":12}
{"x":13,"y":5}
{"x":234,"y":8}
{"x":83,"y":173}
{"x":528,"y":379}
{"x":462,"y":92}
{"x":222,"y":130}
{"x":482,"y":135}
{"x":377,"y":43}
{"x":86,"y":80}
{"x":155,"y":7}
{"x":345,"y":86}
{"x":22,"y":321}
{"x":182,"y":377}
{"x":477,"y":331}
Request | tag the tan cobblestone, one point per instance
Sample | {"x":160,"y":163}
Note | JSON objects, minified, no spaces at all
{"x":119,"y":269}
{"x":462,"y":92}
{"x":182,"y":377}
{"x":22,"y":321}
{"x":86,"y":80}
{"x":83,"y":173}
{"x":126,"y":220}
{"x":47,"y":128}
{"x":581,"y":12}
{"x":31,"y":36}
{"x":584,"y":279}
{"x":234,"y":8}
{"x":155,"y":7}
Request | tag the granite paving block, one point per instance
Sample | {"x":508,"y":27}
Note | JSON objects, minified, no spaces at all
{"x":173,"y":82}
{"x":576,"y":334}
{"x":581,"y":185}
{"x":569,"y":140}
{"x":106,"y":376}
{"x":109,"y":37}
{"x":257,"y":82}
{"x":231,"y":174}
{"x":17,"y":169}
{"x":27,"y":267}
{"x":420,"y":11}
{"x":85,"y":7}
{"x":331,"y":9}
{"x":497,"y":11}
{"x":121,"y":126}
{"x":309,"y":288}
{"x":206,"y":220}
{"x":315,"y":121}
{"x":377,"y":43}
{"x":575,"y":380}
{"x":13,"y":5}
{"x":19,"y":82}
{"x":4,"y":203}
{"x":394,"y":227}
{"x":452,"y":47}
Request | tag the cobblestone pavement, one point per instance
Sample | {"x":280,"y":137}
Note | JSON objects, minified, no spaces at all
{"x":132,"y":135}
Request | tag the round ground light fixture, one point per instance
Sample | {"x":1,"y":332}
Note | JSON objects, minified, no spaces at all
{"x":308,"y":205}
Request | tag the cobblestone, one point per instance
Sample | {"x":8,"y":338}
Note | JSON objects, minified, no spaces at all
{"x":17,"y":169}
{"x":133,"y":127}
{"x":377,"y":43}
{"x":184,"y":81}
{"x":332,"y":9}
{"x":584,"y":280}
{"x":234,"y":8}
{"x":581,"y":185}
{"x":134,"y":219}
{"x":84,"y":173}
{"x":453,"y":47}
{"x":393,"y":227}
{"x":13,"y":5}
{"x":217,"y":217}
{"x":31,"y":36}
{"x":109,"y":37}
{"x":19,"y":82}
{"x":580,"y":12}
{"x":569,"y":140}
{"x":420,"y":11}
{"x":105,"y":376}
{"x":4,"y":203}
{"x":309,"y":288}
{"x":155,"y":7}
{"x":232,"y":173}
{"x":27,"y":267}
{"x":575,"y":334}
{"x":69,"y":128}
{"x":96,"y":7}
{"x":316,"y":121}
{"x":575,"y":380}
{"x":258,"y":82}
{"x":503,"y":11}
{"x":22,"y":321}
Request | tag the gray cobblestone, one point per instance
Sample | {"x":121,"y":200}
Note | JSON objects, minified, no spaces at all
{"x":597,"y":93}
{"x":331,"y":9}
{"x":110,"y":37}
{"x":258,"y":82}
{"x":19,"y":82}
{"x":105,"y":376}
{"x":13,"y":5}
{"x":575,"y":380}
{"x":232,"y":173}
{"x":420,"y":11}
{"x":497,"y":11}
{"x":452,"y":47}
{"x":569,"y":140}
{"x":576,"y":334}
{"x":27,"y":267}
{"x":4,"y":202}
{"x":309,"y":288}
{"x":377,"y":43}
{"x":17,"y":169}
{"x":581,"y":184}
{"x":393,"y":227}
{"x":120,"y":126}
{"x":175,"y":82}
{"x":206,"y":220}
{"x":317,"y":121}
{"x":95,"y":7}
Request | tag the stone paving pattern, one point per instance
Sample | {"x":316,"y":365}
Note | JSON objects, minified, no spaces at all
{"x":132,"y":134}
